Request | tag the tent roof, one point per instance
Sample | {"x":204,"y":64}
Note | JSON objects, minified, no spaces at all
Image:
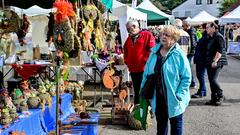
{"x":33,"y":11}
{"x":232,"y":17}
{"x":202,"y":17}
{"x":117,"y":4}
{"x":111,"y":16}
{"x":152,"y":11}
{"x":129,"y":12}
{"x":188,"y":18}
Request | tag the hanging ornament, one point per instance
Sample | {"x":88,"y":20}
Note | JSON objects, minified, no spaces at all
{"x":63,"y":33}
{"x":24,"y":28}
{"x":10,"y":22}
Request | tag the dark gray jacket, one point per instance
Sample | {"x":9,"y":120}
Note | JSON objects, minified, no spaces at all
{"x":216,"y":44}
{"x":193,"y":40}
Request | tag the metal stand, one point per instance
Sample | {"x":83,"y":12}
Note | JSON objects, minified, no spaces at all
{"x":57,"y":69}
{"x":93,"y":78}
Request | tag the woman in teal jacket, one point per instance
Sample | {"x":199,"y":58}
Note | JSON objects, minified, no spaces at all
{"x":173,"y":77}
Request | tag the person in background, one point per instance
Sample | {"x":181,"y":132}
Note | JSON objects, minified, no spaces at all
{"x":156,"y":32}
{"x":237,"y":38}
{"x":215,"y":60}
{"x":198,"y":32}
{"x":136,"y":51}
{"x":172,"y":73}
{"x":193,"y":42}
{"x":184,"y":40}
{"x":199,"y":60}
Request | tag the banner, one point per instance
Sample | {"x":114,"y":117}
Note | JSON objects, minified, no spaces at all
{"x":108,"y":4}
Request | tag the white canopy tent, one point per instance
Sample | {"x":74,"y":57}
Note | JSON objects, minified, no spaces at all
{"x":188,"y":18}
{"x":202,"y":17}
{"x":33,"y":11}
{"x":38,"y":28}
{"x":126,"y":13}
{"x":232,"y":17}
{"x":110,"y":16}
{"x":154,"y":14}
{"x":123,"y":13}
{"x":117,"y":4}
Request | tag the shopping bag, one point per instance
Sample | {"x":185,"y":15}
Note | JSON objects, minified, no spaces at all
{"x":142,"y":112}
{"x":147,"y":91}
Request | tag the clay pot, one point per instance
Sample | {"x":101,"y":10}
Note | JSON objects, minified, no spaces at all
{"x":14,"y":116}
{"x":5,"y":120}
{"x":23,"y":108}
{"x":33,"y":102}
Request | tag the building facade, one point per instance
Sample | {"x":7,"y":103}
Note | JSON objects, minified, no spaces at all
{"x":192,"y":7}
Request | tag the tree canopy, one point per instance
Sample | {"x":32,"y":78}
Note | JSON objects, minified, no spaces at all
{"x":225,"y":5}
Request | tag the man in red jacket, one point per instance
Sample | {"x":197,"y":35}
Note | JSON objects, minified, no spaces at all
{"x":136,"y":51}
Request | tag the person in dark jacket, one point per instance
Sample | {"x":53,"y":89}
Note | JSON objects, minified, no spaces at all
{"x":215,"y":60}
{"x":199,"y":60}
{"x":136,"y":51}
{"x":193,"y":42}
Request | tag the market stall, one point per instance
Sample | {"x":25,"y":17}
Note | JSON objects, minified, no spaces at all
{"x":202,"y":17}
{"x":78,"y":43}
{"x":35,"y":121}
{"x":232,"y":17}
{"x":17,"y":115}
{"x":126,"y":13}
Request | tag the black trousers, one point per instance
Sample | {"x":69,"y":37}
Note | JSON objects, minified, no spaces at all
{"x":176,"y":123}
{"x":213,"y":74}
{"x":136,"y":80}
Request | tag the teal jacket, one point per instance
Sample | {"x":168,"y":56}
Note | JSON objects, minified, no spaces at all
{"x":177,"y":78}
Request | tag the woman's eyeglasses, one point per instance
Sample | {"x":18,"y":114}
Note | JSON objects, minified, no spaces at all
{"x":165,"y":34}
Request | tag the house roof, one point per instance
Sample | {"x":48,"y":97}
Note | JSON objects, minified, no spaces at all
{"x":183,"y":5}
{"x":190,"y":8}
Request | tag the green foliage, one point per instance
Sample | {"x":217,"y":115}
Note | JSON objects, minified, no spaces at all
{"x":171,"y":4}
{"x":225,"y":4}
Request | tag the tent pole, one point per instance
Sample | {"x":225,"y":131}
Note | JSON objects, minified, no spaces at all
{"x":3,"y":4}
{"x":57,"y":95}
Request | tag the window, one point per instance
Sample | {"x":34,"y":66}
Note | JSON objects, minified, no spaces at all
{"x":198,"y":2}
{"x":209,"y":2}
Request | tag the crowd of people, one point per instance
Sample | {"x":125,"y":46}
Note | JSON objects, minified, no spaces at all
{"x":167,"y":53}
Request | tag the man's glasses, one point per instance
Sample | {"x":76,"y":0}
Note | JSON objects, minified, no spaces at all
{"x":207,"y":27}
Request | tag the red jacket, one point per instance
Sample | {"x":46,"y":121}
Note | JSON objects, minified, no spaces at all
{"x":136,"y":54}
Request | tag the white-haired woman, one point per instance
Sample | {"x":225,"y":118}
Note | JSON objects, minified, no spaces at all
{"x":172,"y":74}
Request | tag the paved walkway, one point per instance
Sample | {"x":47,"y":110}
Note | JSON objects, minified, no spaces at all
{"x":199,"y":119}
